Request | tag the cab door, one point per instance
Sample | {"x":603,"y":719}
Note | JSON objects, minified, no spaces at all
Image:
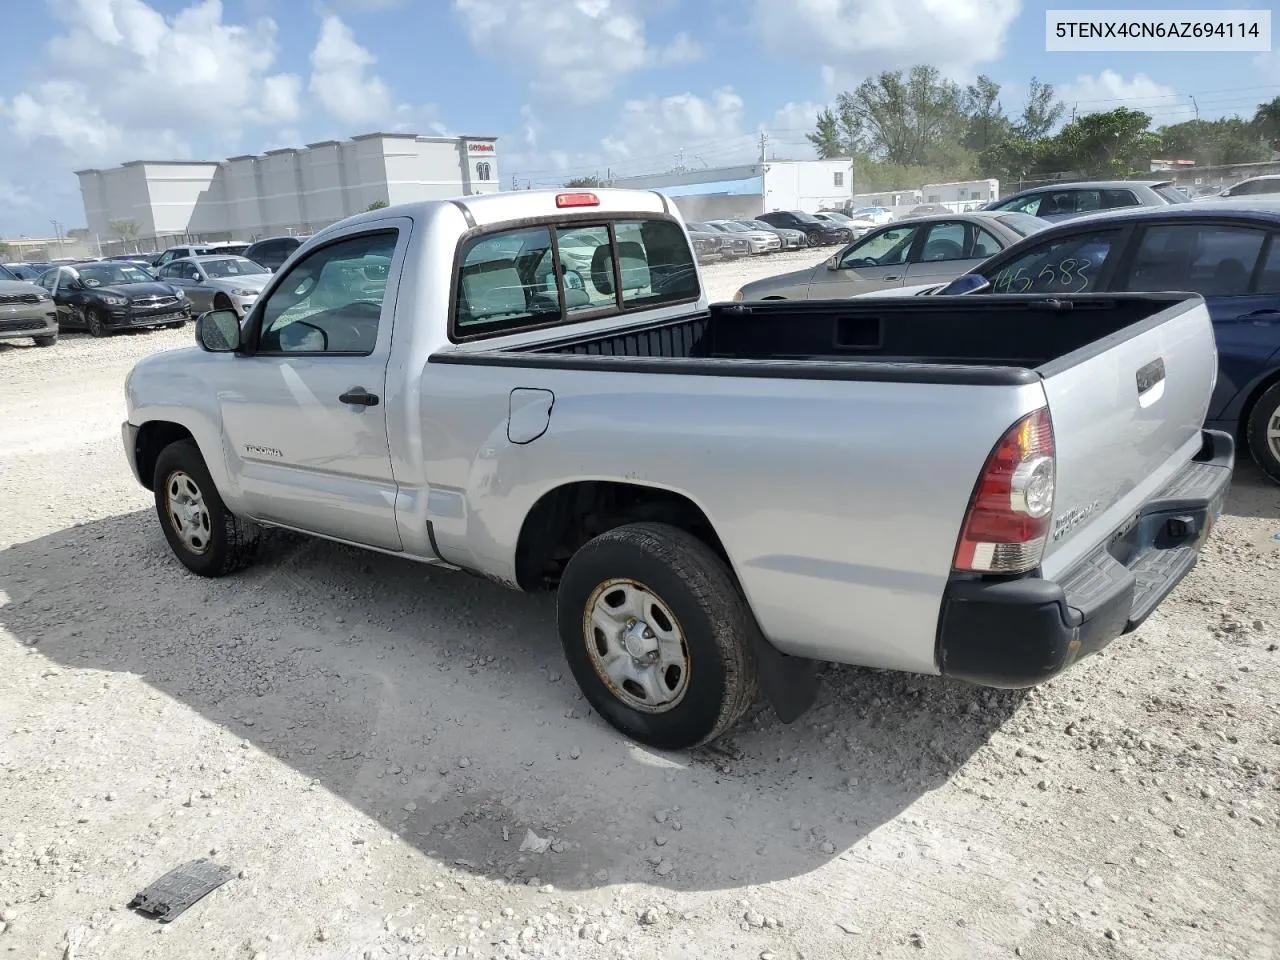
{"x":305,"y":413}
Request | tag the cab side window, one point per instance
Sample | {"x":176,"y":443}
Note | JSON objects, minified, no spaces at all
{"x":945,"y":241}
{"x":885,"y":248}
{"x":1065,"y":265}
{"x":1212,"y":260}
{"x":330,"y":301}
{"x":1269,"y":276}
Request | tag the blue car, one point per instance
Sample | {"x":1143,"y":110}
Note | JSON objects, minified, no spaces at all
{"x":1226,"y":250}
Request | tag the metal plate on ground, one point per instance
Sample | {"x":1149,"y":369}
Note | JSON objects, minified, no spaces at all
{"x":178,"y":889}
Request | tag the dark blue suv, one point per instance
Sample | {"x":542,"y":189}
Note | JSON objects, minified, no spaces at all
{"x":1228,"y":251}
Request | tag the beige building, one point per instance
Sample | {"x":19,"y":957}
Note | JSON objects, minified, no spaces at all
{"x":288,"y":191}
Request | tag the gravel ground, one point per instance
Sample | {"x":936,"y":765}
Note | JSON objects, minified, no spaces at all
{"x":396,"y":764}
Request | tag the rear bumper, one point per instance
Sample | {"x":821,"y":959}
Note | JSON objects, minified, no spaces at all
{"x":1021,"y":632}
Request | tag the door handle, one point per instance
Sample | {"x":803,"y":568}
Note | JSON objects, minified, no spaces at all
{"x":887,"y":279}
{"x":360,"y":397}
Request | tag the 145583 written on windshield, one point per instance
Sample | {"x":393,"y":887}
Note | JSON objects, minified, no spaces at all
{"x":1068,"y":275}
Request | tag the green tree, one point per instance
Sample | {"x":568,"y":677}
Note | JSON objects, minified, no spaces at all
{"x":1015,"y":159}
{"x":1041,"y":112}
{"x":911,"y":119}
{"x":377,"y":205}
{"x":126,"y":230}
{"x":826,"y":137}
{"x":1267,"y":120}
{"x":987,"y":124}
{"x":584,"y":182}
{"x":1210,"y":142}
{"x":1111,"y":145}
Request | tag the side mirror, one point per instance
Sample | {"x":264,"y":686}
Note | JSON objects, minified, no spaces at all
{"x":833,"y":262}
{"x":969,"y":283}
{"x":218,"y":331}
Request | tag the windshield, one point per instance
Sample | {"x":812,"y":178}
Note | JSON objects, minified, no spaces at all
{"x":111,"y":274}
{"x":803,"y":217}
{"x":866,"y":212}
{"x":1022,"y":224}
{"x":231,"y":267}
{"x":732,"y":227}
{"x":6,"y":274}
{"x":838,"y":217}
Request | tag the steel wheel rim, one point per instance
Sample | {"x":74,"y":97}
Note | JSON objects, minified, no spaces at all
{"x":636,"y":645}
{"x":1273,"y":432}
{"x":188,"y":514}
{"x":95,"y":322}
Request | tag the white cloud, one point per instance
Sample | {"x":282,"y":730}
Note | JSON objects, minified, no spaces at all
{"x":876,"y":35}
{"x":339,"y":79}
{"x":787,"y":134}
{"x":573,"y":50}
{"x":123,"y":81}
{"x":1108,"y":90}
{"x":653,"y":126}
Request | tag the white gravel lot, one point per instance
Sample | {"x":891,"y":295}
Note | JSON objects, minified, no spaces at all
{"x":370,"y":743}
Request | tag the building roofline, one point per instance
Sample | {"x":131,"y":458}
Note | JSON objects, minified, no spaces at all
{"x":324,"y":143}
{"x":172,"y":163}
{"x":242,"y":156}
{"x":279,"y":150}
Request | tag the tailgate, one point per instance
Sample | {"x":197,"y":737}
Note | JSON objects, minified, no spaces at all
{"x":1127,"y":412}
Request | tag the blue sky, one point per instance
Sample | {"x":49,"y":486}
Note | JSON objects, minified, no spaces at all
{"x":570,"y":86}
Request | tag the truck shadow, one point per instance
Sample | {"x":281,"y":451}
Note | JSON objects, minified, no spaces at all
{"x":439,"y":705}
{"x":1253,"y":493}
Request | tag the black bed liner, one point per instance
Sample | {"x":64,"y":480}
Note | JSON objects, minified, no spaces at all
{"x":987,"y":340}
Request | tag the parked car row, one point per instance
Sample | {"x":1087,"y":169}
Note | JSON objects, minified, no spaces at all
{"x":1227,"y":250}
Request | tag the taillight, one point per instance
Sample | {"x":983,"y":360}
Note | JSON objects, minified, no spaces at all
{"x":1007,"y":523}
{"x":577,"y":200}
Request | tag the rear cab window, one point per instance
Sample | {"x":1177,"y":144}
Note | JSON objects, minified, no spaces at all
{"x":565,"y":272}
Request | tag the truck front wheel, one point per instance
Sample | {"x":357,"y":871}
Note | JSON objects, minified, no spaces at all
{"x":657,"y":634}
{"x":207,"y":537}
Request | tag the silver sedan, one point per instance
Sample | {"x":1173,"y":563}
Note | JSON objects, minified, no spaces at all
{"x":919,"y":250}
{"x":217,"y":282}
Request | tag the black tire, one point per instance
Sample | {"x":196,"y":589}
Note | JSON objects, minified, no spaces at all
{"x":1266,"y":415}
{"x":718,"y":629}
{"x":176,"y":325}
{"x":814,"y":237}
{"x":95,"y":322}
{"x":48,"y":340}
{"x":230,"y":542}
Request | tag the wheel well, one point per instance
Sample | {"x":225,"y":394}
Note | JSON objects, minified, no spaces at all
{"x":568,"y":516}
{"x":152,"y":438}
{"x":221,"y":299}
{"x":1242,"y":433}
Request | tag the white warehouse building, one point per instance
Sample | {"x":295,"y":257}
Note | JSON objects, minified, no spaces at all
{"x":282,"y":192}
{"x":752,"y":189}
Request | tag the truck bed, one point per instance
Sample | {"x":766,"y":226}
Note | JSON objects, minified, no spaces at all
{"x":988,"y":340}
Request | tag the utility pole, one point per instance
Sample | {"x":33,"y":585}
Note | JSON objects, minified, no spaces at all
{"x":1073,"y":112}
{"x":1197,"y":106}
{"x":679,"y":161}
{"x":514,"y":183}
{"x":764,"y":140}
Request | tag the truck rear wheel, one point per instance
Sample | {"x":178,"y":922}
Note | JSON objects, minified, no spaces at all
{"x":658,"y":635}
{"x":207,"y":537}
{"x":1264,"y":432}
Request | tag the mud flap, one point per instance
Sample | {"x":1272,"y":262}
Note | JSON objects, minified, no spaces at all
{"x":790,"y":684}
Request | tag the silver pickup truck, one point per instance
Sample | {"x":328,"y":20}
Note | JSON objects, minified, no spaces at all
{"x":724,"y":496}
